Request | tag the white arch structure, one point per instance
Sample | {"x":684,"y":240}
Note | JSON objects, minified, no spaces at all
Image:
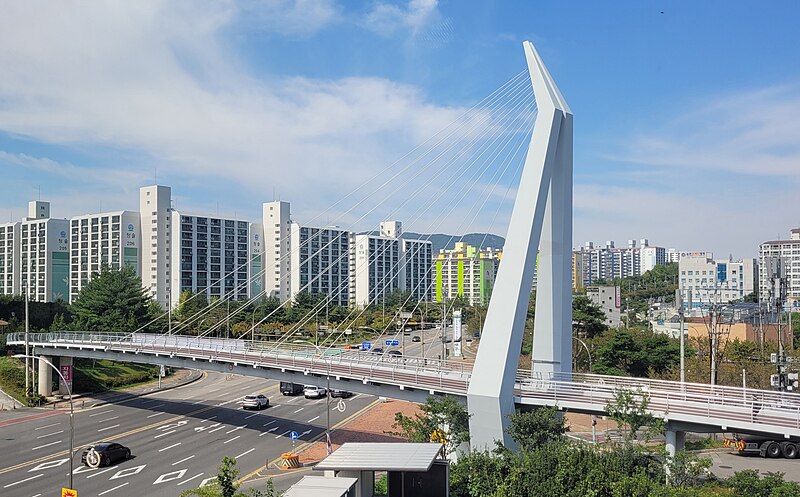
{"x":541,"y":219}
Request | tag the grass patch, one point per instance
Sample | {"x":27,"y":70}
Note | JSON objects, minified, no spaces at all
{"x":100,"y":375}
{"x":705,"y":443}
{"x":12,"y":377}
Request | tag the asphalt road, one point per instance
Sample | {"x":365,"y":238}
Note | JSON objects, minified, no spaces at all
{"x":178,"y":438}
{"x":727,"y":463}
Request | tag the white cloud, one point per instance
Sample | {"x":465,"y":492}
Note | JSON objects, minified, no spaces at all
{"x":387,"y":18}
{"x":751,"y":132}
{"x":291,"y":17}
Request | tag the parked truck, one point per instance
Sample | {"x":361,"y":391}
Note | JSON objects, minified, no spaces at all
{"x":763,"y":446}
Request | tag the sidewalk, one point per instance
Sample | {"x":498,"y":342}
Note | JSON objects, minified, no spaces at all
{"x":84,"y":401}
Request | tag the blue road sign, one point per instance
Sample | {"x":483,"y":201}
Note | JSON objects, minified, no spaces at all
{"x":392,"y":343}
{"x":293,"y":435}
{"x":366,"y":345}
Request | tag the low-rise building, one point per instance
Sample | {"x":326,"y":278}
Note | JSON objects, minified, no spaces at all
{"x":608,"y":299}
{"x":780,"y":259}
{"x":704,"y":281}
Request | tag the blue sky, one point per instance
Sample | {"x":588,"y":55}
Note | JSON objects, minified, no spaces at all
{"x":687,"y":113}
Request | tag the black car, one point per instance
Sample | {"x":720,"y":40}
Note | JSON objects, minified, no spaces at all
{"x":106,"y":453}
{"x":341,"y":393}
{"x":377,"y":350}
{"x":395,"y":353}
{"x":416,"y":338}
{"x":289,"y":388}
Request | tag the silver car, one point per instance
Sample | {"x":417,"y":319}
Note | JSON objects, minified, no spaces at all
{"x":314,"y":392}
{"x":255,"y":401}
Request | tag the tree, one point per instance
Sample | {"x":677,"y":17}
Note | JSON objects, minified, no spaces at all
{"x":190,"y":305}
{"x":629,"y":410}
{"x":588,"y":318}
{"x":113,"y":300}
{"x":440,"y":419}
{"x":536,"y":427}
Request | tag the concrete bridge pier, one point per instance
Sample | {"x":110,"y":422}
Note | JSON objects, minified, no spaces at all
{"x":45,"y":377}
{"x":675,"y":440}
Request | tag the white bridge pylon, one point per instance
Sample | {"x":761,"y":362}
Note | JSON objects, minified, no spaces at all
{"x":541,"y":219}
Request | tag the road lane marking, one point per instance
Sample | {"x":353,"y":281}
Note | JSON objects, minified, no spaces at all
{"x":153,"y":407}
{"x":108,"y":428}
{"x":101,"y":472}
{"x":268,"y":431}
{"x":298,"y":410}
{"x":46,"y":426}
{"x":171,"y":446}
{"x":48,"y":465}
{"x":208,"y":419}
{"x":250,"y":416}
{"x":292,"y":400}
{"x":174,"y":475}
{"x":217,"y":429}
{"x":47,"y":445}
{"x":165,"y":433}
{"x":23,"y":481}
{"x":50,"y":434}
{"x":148,"y":401}
{"x":313,"y":419}
{"x":245,"y":453}
{"x":198,"y":475}
{"x":124,"y":473}
{"x":232,"y":439}
{"x":182,"y":460}
{"x":237,"y":428}
{"x":107,"y":419}
{"x":282,"y":434}
{"x":267,"y":424}
{"x":112,"y":489}
{"x":99,"y":413}
{"x":156,"y":414}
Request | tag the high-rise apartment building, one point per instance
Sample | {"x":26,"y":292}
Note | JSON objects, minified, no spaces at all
{"x":214,"y":255}
{"x":110,"y":239}
{"x":376,"y":263}
{"x":277,"y":242}
{"x":44,"y":254}
{"x":609,"y":262}
{"x":780,"y":259}
{"x":256,"y":267}
{"x":415,"y":270}
{"x":9,"y":258}
{"x":704,"y":281}
{"x":320,"y":262}
{"x":465,"y":271}
{"x":155,"y":221}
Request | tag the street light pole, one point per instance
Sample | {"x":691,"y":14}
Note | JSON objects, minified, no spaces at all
{"x":71,"y":410}
{"x":587,"y":351}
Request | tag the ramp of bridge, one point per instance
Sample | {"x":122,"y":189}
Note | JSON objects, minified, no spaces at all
{"x":696,"y":407}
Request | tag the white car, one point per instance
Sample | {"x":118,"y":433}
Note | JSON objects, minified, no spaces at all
{"x":313,"y":392}
{"x":255,"y":401}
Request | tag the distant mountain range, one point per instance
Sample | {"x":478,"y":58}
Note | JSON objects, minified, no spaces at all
{"x":441,"y":241}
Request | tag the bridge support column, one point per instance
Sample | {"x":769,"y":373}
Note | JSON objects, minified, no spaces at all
{"x":676,"y":441}
{"x":65,"y":364}
{"x":45,"y":377}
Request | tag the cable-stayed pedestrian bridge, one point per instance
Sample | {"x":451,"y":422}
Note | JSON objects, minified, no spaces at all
{"x":686,"y":407}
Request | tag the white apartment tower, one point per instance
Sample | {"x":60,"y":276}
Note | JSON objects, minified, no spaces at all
{"x":277,"y":242}
{"x":255,"y":270}
{"x":44,"y":254}
{"x":780,"y":258}
{"x":9,"y":258}
{"x":320,"y":262}
{"x":155,"y":209}
{"x":109,"y":239}
{"x":415,"y":270}
{"x":376,"y":261}
{"x":213,"y":255}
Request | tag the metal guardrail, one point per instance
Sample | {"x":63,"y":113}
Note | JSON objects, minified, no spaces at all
{"x":716,"y":404}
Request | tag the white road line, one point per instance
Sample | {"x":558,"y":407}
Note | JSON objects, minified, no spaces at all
{"x":99,"y":413}
{"x":313,"y":419}
{"x":213,"y":390}
{"x":268,"y":431}
{"x":292,"y":400}
{"x":208,"y":419}
{"x":46,"y":445}
{"x":250,"y":416}
{"x":38,"y":495}
{"x":171,"y":446}
{"x":107,"y":419}
{"x":232,"y":439}
{"x":245,"y":453}
{"x":165,"y":433}
{"x":153,"y":407}
{"x":101,"y":472}
{"x":46,"y":426}
{"x":182,"y":460}
{"x":108,"y":428}
{"x":237,"y":428}
{"x":190,"y":479}
{"x":50,"y":434}
{"x":217,"y":429}
{"x":112,"y":489}
{"x":23,"y":481}
{"x":156,"y":414}
{"x":284,"y":433}
{"x":148,"y":401}
{"x":270,"y":422}
{"x":298,"y":410}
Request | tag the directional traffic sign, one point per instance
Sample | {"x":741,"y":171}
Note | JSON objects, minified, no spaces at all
{"x":366,"y":345}
{"x":293,"y":435}
{"x":392,"y":343}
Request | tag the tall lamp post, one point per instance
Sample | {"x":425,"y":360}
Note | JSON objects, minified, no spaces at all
{"x":327,"y":397}
{"x":71,"y":410}
{"x":587,"y":351}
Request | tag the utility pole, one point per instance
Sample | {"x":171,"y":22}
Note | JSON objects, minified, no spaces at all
{"x":679,"y":303}
{"x":714,"y":344}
